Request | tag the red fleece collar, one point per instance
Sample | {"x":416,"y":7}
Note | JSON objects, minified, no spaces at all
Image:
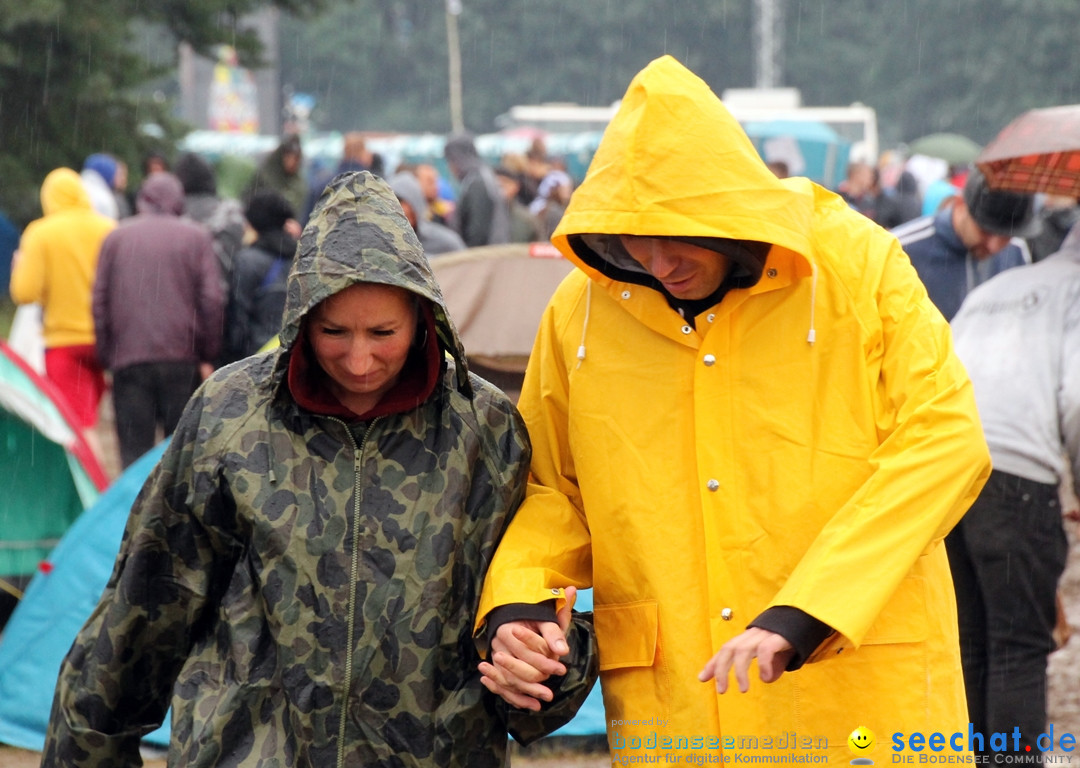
{"x":307,"y":381}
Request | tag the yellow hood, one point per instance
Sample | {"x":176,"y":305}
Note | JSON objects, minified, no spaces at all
{"x":697,"y":475}
{"x":61,"y":190}
{"x":643,"y":182}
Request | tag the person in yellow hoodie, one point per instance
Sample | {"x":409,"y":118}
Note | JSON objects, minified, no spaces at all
{"x":55,"y":267}
{"x":750,"y":436}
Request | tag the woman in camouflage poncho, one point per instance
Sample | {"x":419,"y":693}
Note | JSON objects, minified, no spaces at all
{"x":300,"y":573}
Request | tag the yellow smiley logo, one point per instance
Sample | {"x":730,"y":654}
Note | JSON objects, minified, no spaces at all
{"x":861,"y":741}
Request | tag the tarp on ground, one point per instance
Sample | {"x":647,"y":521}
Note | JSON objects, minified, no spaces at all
{"x":48,"y":473}
{"x":57,"y":603}
{"x":496,"y":295}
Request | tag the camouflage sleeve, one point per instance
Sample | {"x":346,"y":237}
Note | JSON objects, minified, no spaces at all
{"x":582,"y":663}
{"x":116,"y":682}
{"x":570,"y":691}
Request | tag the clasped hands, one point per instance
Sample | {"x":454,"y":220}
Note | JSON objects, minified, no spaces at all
{"x":524,"y":654}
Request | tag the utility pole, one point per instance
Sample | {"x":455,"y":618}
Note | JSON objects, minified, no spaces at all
{"x":768,"y":43}
{"x":453,"y":52}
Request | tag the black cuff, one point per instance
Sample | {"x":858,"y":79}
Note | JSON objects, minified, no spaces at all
{"x":504,"y":614}
{"x":803,"y":631}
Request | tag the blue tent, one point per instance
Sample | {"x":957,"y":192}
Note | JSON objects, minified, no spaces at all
{"x":56,"y":604}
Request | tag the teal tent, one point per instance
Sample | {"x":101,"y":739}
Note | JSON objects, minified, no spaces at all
{"x":48,"y":474}
{"x":57,"y":603}
{"x":61,"y":597}
{"x":822,"y":152}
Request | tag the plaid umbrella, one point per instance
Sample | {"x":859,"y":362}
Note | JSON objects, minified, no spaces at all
{"x":1037,"y":152}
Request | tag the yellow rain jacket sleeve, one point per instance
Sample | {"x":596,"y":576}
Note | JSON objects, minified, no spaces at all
{"x":807,"y":441}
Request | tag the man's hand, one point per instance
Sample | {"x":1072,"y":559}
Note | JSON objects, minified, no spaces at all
{"x":771,"y":650}
{"x":526,"y":653}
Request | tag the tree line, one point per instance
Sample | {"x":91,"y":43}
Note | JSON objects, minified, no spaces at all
{"x":74,"y":76}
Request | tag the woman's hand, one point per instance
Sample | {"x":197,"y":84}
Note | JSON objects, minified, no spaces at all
{"x":526,"y":653}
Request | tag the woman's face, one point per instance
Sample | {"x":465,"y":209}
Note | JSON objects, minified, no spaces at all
{"x":361,"y":337}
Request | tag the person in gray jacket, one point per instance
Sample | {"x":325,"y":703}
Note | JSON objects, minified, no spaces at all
{"x":223,"y":216}
{"x":436,"y":238}
{"x":482,"y":216}
{"x":1018,"y":334}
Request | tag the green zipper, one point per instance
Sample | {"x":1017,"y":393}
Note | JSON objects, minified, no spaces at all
{"x":354,"y":569}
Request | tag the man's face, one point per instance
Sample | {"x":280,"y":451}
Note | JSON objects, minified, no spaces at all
{"x":687,"y":272}
{"x":860,"y":179}
{"x":429,"y":181}
{"x":509,"y":186}
{"x":980,"y":243}
{"x":290,"y":163}
{"x":121,"y":179}
{"x":455,"y":168}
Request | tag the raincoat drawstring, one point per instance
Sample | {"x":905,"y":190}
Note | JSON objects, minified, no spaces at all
{"x":585,"y":325}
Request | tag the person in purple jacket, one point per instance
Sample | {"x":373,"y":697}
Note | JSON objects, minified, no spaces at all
{"x":158,"y":313}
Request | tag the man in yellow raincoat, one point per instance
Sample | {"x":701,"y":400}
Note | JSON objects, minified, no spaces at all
{"x":750,"y":435}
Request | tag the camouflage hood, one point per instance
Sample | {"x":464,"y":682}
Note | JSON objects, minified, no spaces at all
{"x":359,"y":234}
{"x":301,"y":589}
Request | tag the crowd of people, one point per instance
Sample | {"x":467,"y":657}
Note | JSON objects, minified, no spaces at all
{"x":146,"y":310}
{"x":815,"y":439}
{"x":1004,"y":270}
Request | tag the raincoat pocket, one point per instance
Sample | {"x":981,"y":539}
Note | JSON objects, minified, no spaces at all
{"x":626,"y":634}
{"x":904,"y":619}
